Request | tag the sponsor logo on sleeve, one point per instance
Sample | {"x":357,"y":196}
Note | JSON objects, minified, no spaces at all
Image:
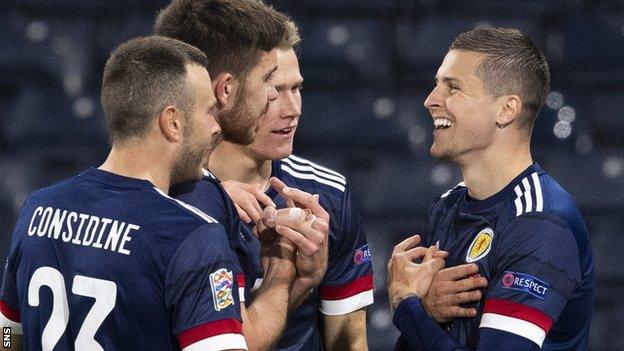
{"x":527,"y":283}
{"x":221,"y":282}
{"x":480,"y":246}
{"x":362,"y":255}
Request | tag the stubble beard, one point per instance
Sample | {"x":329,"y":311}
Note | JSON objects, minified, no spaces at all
{"x":188,"y":164}
{"x":238,"y":125}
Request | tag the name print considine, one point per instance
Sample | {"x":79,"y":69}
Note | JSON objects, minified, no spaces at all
{"x":81,"y":229}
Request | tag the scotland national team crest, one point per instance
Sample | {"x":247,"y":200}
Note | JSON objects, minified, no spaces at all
{"x":480,"y":246}
{"x":221,"y":283}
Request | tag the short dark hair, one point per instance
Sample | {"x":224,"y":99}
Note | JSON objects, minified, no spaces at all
{"x":512,"y":65}
{"x":143,"y":76}
{"x":232,"y":33}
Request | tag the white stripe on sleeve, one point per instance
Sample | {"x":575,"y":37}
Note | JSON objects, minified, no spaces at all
{"x":515,"y":326}
{"x":539,"y":200}
{"x":527,"y":195}
{"x":221,"y":342}
{"x":518,"y":200}
{"x":348,"y":305}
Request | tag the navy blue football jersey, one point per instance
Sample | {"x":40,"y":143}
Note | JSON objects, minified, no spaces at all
{"x":530,"y":242}
{"x":348,"y":282}
{"x":100,"y":261}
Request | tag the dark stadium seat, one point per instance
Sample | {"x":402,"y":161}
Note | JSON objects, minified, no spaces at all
{"x":534,"y":9}
{"x":422,"y":43}
{"x":42,"y":114}
{"x":605,"y":231}
{"x":57,"y":46}
{"x":112,"y":32}
{"x":95,"y":9}
{"x":594,"y":179}
{"x":373,"y":7}
{"x":362,"y":121}
{"x":592,"y":52}
{"x":360,"y":47}
{"x":604,"y":110}
{"x":404,"y":187}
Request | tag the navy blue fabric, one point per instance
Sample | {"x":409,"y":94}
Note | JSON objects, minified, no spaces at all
{"x":160,"y":263}
{"x":545,"y":248}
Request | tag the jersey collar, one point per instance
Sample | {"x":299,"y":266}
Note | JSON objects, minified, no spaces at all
{"x":469,"y":204}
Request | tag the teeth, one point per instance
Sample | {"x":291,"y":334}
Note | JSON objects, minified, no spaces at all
{"x":442,"y":122}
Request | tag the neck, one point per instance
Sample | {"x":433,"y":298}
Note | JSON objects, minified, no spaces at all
{"x":489,"y":172}
{"x":133,"y":160}
{"x":235,"y":162}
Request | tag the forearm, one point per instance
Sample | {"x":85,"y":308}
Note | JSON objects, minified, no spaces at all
{"x":265,"y":319}
{"x":299,"y":292}
{"x":421,"y":332}
{"x":345,"y":332}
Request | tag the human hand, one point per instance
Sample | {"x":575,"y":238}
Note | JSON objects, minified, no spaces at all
{"x":452,"y":287}
{"x":247,"y":199}
{"x":407,"y":278}
{"x":311,"y":264}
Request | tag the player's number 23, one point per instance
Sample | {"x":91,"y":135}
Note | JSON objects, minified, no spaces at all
{"x":104,"y":292}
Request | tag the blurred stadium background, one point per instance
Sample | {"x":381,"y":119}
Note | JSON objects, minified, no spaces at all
{"x":368,"y":66}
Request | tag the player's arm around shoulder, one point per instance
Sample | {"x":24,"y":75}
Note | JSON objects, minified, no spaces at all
{"x":347,"y":288}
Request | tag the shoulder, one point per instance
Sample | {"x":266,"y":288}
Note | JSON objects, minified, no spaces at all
{"x":207,"y":189}
{"x":311,"y":177}
{"x":59,"y":188}
{"x":185,"y":210}
{"x":539,"y":194}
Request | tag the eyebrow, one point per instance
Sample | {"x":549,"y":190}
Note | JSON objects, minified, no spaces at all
{"x":447,"y":80}
{"x":297,"y":84}
{"x":269,"y":73}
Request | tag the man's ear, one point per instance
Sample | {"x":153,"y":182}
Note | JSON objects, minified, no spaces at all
{"x":170,"y":123}
{"x":510,"y":111}
{"x":225,"y":88}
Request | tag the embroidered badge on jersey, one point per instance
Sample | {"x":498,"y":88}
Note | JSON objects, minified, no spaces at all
{"x":362,"y":255}
{"x":480,"y":246}
{"x":221,"y":283}
{"x":526,"y":283}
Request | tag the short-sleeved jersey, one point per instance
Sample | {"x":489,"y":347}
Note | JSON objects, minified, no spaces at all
{"x":100,"y":261}
{"x":530,"y":242}
{"x":348,"y":282}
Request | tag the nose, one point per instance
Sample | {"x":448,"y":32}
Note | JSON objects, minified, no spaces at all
{"x":433,"y":100}
{"x":271,"y":93}
{"x":292,"y":106}
{"x":215,"y":128}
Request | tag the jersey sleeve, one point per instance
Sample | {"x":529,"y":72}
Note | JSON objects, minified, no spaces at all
{"x":419,"y":332}
{"x":535,"y":273}
{"x":9,"y":296}
{"x":201,"y":293}
{"x":348,"y":282}
{"x":9,"y":304}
